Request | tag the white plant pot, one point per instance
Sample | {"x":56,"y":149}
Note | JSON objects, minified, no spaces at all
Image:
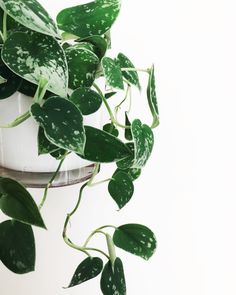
{"x":19,"y":151}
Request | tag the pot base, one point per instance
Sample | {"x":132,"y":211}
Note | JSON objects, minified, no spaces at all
{"x":41,"y":179}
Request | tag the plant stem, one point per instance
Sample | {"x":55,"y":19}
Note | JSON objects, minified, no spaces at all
{"x":1,"y":35}
{"x":91,"y":235}
{"x":111,"y":249}
{"x":50,"y":183}
{"x":112,"y":117}
{"x":120,"y":104}
{"x":100,"y":182}
{"x":17,"y":121}
{"x":95,"y":172}
{"x":4,"y":26}
{"x":72,"y":245}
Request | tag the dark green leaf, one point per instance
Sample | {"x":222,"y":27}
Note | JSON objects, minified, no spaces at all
{"x":99,"y":45}
{"x":16,"y":202}
{"x":128,"y":161}
{"x":121,"y":188}
{"x":87,"y":100}
{"x":111,"y":128}
{"x":87,"y":270}
{"x":136,"y":239}
{"x":17,"y":247}
{"x":28,"y":56}
{"x":31,"y":14}
{"x":128,"y":133}
{"x":113,"y":279}
{"x":103,"y":147}
{"x":12,"y":25}
{"x":94,"y":18}
{"x":134,"y":173}
{"x":62,"y":122}
{"x":82,"y":64}
{"x":109,"y":94}
{"x":143,"y":143}
{"x":13,"y":82}
{"x":44,"y":145}
{"x":59,"y":154}
{"x":131,"y":76}
{"x":152,"y":97}
{"x":112,"y":73}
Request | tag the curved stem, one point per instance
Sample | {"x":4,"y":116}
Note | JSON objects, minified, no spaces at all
{"x":100,"y":182}
{"x":72,"y":245}
{"x":91,"y":235}
{"x":99,"y":251}
{"x":112,"y":117}
{"x":125,"y":98}
{"x":4,"y":26}
{"x":50,"y":183}
{"x":135,"y":70}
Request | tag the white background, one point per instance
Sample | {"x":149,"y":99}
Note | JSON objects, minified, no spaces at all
{"x":187,"y":191}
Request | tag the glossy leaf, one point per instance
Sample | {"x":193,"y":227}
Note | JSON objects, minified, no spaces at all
{"x":13,"y":82}
{"x":94,"y":18}
{"x":44,"y":145}
{"x":128,"y":133}
{"x":143,"y":143}
{"x":87,"y":100}
{"x":121,"y":188}
{"x":113,"y":279}
{"x":131,"y":76}
{"x":103,"y":147}
{"x":17,"y":203}
{"x":82,"y":65}
{"x":127,"y":162}
{"x":62,"y":122}
{"x":136,"y":239}
{"x":99,"y":45}
{"x":152,"y":97}
{"x":28,"y":56}
{"x":31,"y":14}
{"x":111,"y":128}
{"x":112,"y":73}
{"x":17,"y":246}
{"x":87,"y":270}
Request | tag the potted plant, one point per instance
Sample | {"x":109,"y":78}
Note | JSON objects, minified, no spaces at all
{"x":55,"y":70}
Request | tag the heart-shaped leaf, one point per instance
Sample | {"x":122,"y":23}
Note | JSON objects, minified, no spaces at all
{"x":87,"y":270}
{"x":62,"y":122}
{"x":112,"y":73}
{"x":127,"y":162}
{"x":103,"y":147}
{"x":17,"y":247}
{"x":152,"y":97}
{"x":131,"y":76}
{"x":16,"y":202}
{"x":136,"y":239}
{"x":12,"y":83}
{"x":87,"y":100}
{"x":31,"y":14}
{"x":128,"y":133}
{"x":121,"y":188}
{"x":99,"y":44}
{"x":33,"y":56}
{"x":143,"y":143}
{"x":111,"y":128}
{"x":94,"y":18}
{"x":113,"y":279}
{"x":82,"y":64}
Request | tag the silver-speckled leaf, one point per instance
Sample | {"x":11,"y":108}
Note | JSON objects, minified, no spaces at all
{"x":44,"y":145}
{"x":82,"y":65}
{"x":136,"y":239}
{"x":99,"y":44}
{"x":62,"y":122}
{"x":87,"y":270}
{"x":17,"y":246}
{"x":152,"y":97}
{"x":31,"y":14}
{"x":143,"y":143}
{"x":113,"y":279}
{"x":121,"y":188}
{"x":94,"y":18}
{"x":33,"y":56}
{"x":131,"y":76}
{"x":112,"y":73}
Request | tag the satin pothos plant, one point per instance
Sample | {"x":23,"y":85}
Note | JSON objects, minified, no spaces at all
{"x":58,"y":63}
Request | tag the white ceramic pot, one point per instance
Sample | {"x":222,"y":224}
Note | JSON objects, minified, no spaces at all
{"x":19,"y":151}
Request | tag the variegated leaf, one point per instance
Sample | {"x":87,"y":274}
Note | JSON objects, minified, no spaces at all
{"x":112,"y":73}
{"x":152,"y":97}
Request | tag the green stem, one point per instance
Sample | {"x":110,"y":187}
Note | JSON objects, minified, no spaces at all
{"x":50,"y":183}
{"x":98,"y":250}
{"x":95,"y":172}
{"x":111,"y":249}
{"x":72,"y":245}
{"x":120,"y":104}
{"x":112,"y":117}
{"x":17,"y":121}
{"x":91,"y":235}
{"x":4,"y":26}
{"x":100,"y":182}
{"x":1,"y":35}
